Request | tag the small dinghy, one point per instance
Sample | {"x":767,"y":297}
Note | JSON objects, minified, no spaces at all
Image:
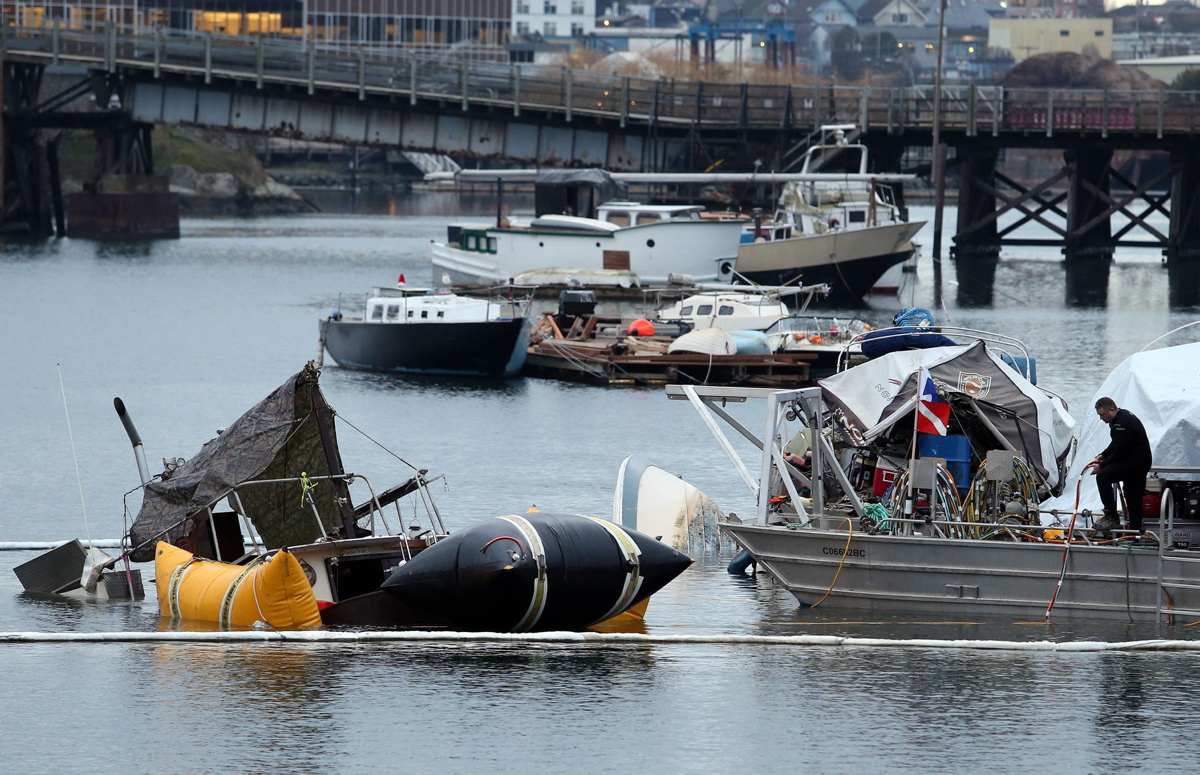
{"x":538,"y":571}
{"x":708,"y":341}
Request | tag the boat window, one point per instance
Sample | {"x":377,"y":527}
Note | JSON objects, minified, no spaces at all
{"x":704,"y":309}
{"x":647,"y":218}
{"x":377,"y":312}
{"x":471,"y":243}
{"x":491,"y":244}
{"x":441,"y":313}
{"x":725,"y":309}
{"x":857,"y":216}
{"x":620,"y":219}
{"x":393,"y":311}
{"x":685,"y":311}
{"x":410,"y":313}
{"x":424,"y":313}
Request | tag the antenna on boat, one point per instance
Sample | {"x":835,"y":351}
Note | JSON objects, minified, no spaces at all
{"x":86,"y":528}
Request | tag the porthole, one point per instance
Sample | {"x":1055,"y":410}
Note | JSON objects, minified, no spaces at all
{"x":649,"y":243}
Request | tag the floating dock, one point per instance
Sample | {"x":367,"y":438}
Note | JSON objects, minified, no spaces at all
{"x":646,"y":362}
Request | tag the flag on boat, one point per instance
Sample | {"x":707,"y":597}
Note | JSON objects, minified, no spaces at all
{"x":933,"y":415}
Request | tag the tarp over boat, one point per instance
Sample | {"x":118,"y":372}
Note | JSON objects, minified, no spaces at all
{"x":1161,"y":387}
{"x":1004,"y":409}
{"x":278,"y":438}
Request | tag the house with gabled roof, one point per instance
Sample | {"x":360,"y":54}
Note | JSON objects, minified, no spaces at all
{"x":886,"y":14}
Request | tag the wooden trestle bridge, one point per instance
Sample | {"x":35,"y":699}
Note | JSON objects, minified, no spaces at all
{"x":439,"y":103}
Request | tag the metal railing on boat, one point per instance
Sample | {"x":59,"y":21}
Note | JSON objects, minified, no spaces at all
{"x":1168,"y":553}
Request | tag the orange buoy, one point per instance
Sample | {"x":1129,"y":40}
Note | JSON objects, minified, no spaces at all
{"x":641,"y":327}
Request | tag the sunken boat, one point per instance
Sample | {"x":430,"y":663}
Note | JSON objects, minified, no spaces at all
{"x":273,"y":484}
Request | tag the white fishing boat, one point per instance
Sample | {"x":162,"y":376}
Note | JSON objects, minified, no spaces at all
{"x":414,"y":330}
{"x":583,"y":230}
{"x":866,"y":525}
{"x":735,"y":307}
{"x":845,"y":230}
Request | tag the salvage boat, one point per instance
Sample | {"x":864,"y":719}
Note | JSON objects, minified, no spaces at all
{"x":880,"y":516}
{"x":412,"y":330}
{"x":269,"y":498}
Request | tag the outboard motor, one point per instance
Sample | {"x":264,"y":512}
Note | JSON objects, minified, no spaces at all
{"x":573,"y":303}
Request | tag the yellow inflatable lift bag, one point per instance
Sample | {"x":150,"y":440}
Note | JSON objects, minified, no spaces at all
{"x":274,"y":591}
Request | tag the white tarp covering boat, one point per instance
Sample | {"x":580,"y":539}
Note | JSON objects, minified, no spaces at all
{"x":870,"y":398}
{"x":1161,"y":387}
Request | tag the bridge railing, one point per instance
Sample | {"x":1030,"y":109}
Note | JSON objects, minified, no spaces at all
{"x":453,"y":80}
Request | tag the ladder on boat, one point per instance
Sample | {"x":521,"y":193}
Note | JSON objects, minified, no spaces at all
{"x":1181,"y":558}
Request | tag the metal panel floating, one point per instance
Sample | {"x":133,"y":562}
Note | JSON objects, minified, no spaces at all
{"x":179,"y":105}
{"x":247,"y":111}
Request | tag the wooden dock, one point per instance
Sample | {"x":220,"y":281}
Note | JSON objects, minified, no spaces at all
{"x":645,"y":361}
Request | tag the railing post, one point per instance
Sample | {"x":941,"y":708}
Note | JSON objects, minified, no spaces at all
{"x":1161,"y":103}
{"x":1104,"y":115}
{"x":972,"y":111}
{"x":516,"y":79}
{"x":208,"y":38}
{"x":158,"y":52}
{"x":463,"y":75}
{"x":624,"y":101}
{"x":110,"y":46}
{"x":864,"y":111}
{"x":260,"y":57}
{"x":699,"y":102}
{"x":56,"y":41}
{"x":568,"y":84}
{"x":312,"y":66}
{"x":362,"y":74}
{"x":744,"y":118}
{"x":4,"y":34}
{"x":1050,"y":114}
{"x":412,"y":78}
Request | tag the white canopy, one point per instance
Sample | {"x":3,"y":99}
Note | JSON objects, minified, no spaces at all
{"x":1161,"y":387}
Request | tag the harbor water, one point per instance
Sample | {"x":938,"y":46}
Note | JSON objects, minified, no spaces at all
{"x":191,"y":333}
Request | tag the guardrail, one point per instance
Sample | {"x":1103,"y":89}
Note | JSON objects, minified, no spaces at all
{"x":454,"y":81}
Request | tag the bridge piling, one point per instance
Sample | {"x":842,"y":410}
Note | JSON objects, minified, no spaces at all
{"x":1088,"y":248}
{"x":1183,"y":242}
{"x":977,"y":243}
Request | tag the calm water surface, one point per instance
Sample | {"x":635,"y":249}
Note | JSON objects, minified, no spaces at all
{"x":191,"y":333}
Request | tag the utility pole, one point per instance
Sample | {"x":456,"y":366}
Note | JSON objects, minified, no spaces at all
{"x":939,"y":160}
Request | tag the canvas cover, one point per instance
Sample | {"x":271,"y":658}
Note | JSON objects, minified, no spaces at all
{"x":1161,"y":387}
{"x":606,"y":187}
{"x":277,"y":439}
{"x":983,"y":392}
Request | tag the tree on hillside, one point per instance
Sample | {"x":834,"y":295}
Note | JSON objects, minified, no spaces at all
{"x":845,"y":57}
{"x":1188,"y":80}
{"x":879,"y":49}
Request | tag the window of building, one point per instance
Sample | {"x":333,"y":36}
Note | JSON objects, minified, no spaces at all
{"x":576,"y":30}
{"x":899,"y":18}
{"x":550,"y":29}
{"x":1099,"y":33}
{"x":522,"y":6}
{"x":1064,"y":33}
{"x":577,"y":8}
{"x":550,"y":7}
{"x":522,"y":28}
{"x":833,"y":16}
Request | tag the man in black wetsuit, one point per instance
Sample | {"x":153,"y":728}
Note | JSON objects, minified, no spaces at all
{"x":1127,"y":459}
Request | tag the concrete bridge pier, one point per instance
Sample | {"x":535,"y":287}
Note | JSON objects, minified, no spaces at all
{"x":977,"y":243}
{"x":1088,"y":249}
{"x":1183,"y":241}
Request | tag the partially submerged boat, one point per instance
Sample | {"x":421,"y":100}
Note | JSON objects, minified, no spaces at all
{"x":273,"y":484}
{"x":413,"y":330}
{"x":847,"y":231}
{"x":950,"y":528}
{"x":585,"y":230}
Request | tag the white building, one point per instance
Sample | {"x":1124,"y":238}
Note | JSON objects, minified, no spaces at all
{"x":553,"y":19}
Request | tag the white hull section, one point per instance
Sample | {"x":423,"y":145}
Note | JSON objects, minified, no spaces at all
{"x":706,"y":250}
{"x":816,"y":250}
